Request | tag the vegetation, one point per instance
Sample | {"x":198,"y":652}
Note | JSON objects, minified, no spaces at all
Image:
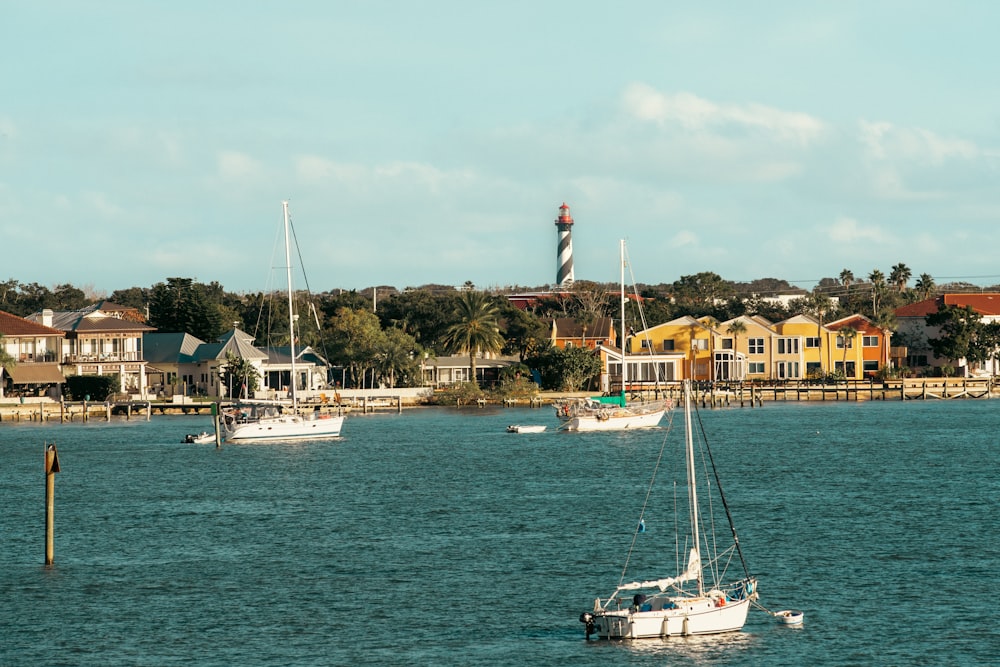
{"x":96,"y":387}
{"x":239,"y":377}
{"x":380,"y":335}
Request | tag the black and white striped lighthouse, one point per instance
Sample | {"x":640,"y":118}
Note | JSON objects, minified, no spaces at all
{"x":564,"y":258}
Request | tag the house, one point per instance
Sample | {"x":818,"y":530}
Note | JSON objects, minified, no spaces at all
{"x":683,"y":345}
{"x":443,"y":371}
{"x":175,"y":367}
{"x":913,"y":332}
{"x":35,"y":350}
{"x":569,"y":332}
{"x":101,"y":339}
{"x":864,"y":353}
{"x":800,"y":349}
{"x":742,"y":349}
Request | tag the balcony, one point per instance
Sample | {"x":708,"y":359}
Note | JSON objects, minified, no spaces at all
{"x":101,"y":358}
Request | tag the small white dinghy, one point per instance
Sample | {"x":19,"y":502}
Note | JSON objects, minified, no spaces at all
{"x":789,"y":617}
{"x":518,"y":428}
{"x":202,"y":438}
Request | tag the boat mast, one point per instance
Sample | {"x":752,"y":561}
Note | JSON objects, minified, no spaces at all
{"x":691,"y":475}
{"x":291,"y":316}
{"x":621,"y":253}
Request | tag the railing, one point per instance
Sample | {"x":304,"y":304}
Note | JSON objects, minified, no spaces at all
{"x":101,"y":358}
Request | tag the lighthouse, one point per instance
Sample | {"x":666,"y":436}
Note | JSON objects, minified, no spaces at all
{"x":564,"y":256}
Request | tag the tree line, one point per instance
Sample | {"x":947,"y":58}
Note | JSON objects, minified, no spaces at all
{"x":384,"y":339}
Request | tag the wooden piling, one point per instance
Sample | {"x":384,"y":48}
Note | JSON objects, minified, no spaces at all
{"x":51,"y":468}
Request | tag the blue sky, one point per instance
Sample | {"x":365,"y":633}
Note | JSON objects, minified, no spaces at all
{"x":433,"y":142}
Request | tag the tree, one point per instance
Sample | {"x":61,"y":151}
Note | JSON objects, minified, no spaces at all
{"x":525,"y":334}
{"x":847,"y":336}
{"x":899,"y":276}
{"x":962,"y":334}
{"x":736,"y":327}
{"x":566,"y":369}
{"x":924,"y":286}
{"x":352,"y":339}
{"x":182,"y":306}
{"x":239,"y":376}
{"x":877,"y":280}
{"x":476,"y":329}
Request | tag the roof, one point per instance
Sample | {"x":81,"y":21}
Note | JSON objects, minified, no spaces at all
{"x":35,"y":374}
{"x":94,"y":320}
{"x":178,"y":348}
{"x":567,"y":327}
{"x":982,"y":303}
{"x":12,"y":325}
{"x":237,"y":341}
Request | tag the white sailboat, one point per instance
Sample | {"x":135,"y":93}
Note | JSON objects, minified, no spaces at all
{"x":611,"y":413}
{"x":259,"y":423}
{"x":697,"y":601}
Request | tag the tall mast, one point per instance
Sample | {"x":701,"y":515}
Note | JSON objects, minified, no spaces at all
{"x":691,"y":475}
{"x":621,"y":252}
{"x":291,"y":316}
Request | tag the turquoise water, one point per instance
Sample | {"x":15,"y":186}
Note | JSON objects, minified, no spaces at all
{"x":435,"y":538}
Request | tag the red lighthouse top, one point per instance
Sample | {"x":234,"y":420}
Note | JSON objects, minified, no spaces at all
{"x":564,"y":217}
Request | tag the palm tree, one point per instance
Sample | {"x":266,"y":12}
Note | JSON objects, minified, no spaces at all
{"x":900,"y":276}
{"x":925,"y":286}
{"x":476,"y":330}
{"x":846,"y":278}
{"x":820,"y":305}
{"x":848,"y":334}
{"x":877,"y":279}
{"x":736,"y":327}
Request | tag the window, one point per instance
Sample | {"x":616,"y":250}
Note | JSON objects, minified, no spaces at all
{"x":840,"y":342}
{"x":756,"y":345}
{"x":755,"y":368}
{"x":812,"y":341}
{"x":668,"y":344}
{"x":647,"y":344}
{"x":788,"y":346}
{"x":727,"y":343}
{"x":869,"y":341}
{"x":869,"y":366}
{"x":699,"y":344}
{"x":788,"y":370}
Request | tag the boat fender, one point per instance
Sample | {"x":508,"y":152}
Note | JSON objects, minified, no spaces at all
{"x":588,"y":620}
{"x":721,"y":602}
{"x":603,"y":415}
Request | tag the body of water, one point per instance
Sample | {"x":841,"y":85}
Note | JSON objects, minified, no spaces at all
{"x":436,"y":538}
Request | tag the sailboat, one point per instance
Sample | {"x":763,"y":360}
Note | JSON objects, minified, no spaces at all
{"x":610,"y":413}
{"x":264,"y":423}
{"x":702,"y":599}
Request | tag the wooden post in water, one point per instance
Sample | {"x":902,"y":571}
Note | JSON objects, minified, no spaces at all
{"x":107,"y":411}
{"x":399,"y":404}
{"x":218,"y":426}
{"x":51,"y":468}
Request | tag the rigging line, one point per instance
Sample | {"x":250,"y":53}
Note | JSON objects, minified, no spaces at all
{"x":722,"y":496}
{"x":309,"y":294}
{"x":645,"y":502}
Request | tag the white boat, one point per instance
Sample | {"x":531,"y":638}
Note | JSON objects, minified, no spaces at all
{"x":703,"y":598}
{"x":273,"y":423}
{"x":789,"y":617}
{"x":202,"y":438}
{"x":525,"y":428}
{"x":611,"y":413}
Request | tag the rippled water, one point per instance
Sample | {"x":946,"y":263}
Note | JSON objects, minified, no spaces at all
{"x":434,"y":538}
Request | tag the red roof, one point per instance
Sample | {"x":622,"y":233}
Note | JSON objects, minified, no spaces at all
{"x":982,"y":303}
{"x":12,"y":325}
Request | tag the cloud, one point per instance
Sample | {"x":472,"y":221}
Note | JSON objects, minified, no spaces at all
{"x":238,"y":167}
{"x":849,"y":230}
{"x":691,"y":112}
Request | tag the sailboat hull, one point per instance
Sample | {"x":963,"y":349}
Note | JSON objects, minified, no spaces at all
{"x":286,"y":428}
{"x":693,"y":617}
{"x":613,"y":422}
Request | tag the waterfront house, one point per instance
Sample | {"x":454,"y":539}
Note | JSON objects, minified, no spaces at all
{"x":443,"y":371}
{"x":34,"y":349}
{"x":913,"y":332}
{"x":101,"y":339}
{"x":867,"y":351}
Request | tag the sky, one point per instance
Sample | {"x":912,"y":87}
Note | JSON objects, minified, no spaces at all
{"x":433,"y":142}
